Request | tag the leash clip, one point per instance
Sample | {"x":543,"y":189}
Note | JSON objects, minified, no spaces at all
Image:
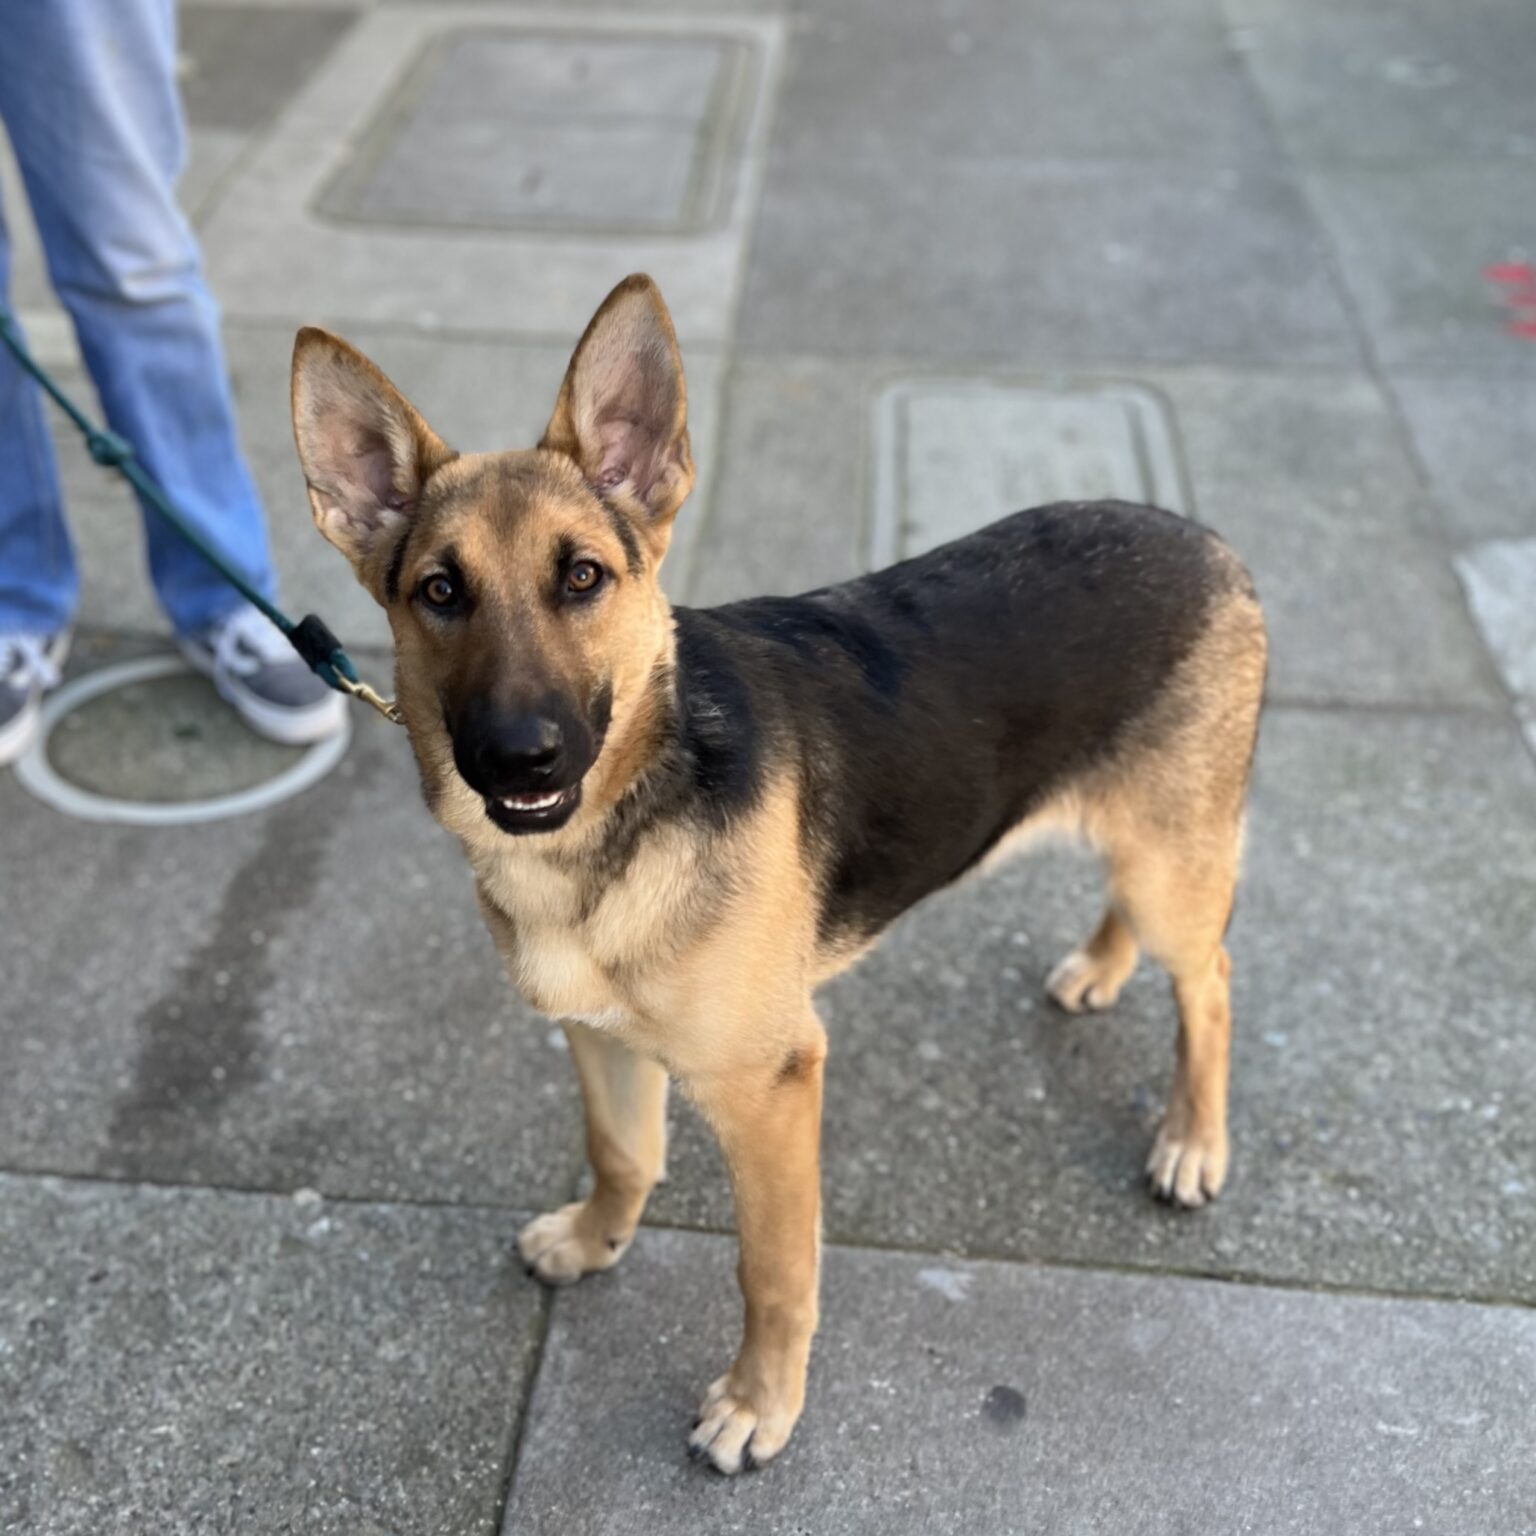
{"x":321,"y":652}
{"x":360,"y":690}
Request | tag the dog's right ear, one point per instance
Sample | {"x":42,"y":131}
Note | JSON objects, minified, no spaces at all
{"x":365,"y":450}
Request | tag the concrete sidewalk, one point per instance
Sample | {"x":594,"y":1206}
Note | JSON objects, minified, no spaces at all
{"x":269,"y":1114}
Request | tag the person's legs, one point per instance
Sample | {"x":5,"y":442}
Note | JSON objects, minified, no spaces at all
{"x":96,"y":123}
{"x":38,"y":582}
{"x":91,"y":105}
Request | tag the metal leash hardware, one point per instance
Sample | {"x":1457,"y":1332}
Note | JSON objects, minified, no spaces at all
{"x":361,"y":690}
{"x":311,"y":637}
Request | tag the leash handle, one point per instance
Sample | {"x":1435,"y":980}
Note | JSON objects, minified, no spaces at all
{"x":319,"y":649}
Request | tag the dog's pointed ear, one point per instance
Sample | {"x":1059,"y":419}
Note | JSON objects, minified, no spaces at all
{"x":365,"y":451}
{"x":622,"y":412}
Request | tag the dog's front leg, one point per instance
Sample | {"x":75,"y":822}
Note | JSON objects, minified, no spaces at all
{"x":768,"y":1119}
{"x":625,"y":1098}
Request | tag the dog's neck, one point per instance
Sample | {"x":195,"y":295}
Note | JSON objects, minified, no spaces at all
{"x":637,"y":743}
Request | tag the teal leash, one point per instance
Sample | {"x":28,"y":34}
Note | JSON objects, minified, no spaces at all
{"x":320,"y":650}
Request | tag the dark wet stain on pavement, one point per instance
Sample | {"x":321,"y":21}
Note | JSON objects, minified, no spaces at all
{"x":198,"y":1042}
{"x":1004,"y":1407}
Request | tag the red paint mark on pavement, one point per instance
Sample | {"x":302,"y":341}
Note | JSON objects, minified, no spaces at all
{"x":1512,"y":274}
{"x":1518,"y":280}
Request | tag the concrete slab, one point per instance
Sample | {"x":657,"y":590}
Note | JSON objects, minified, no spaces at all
{"x":789,"y":510}
{"x":988,"y":78}
{"x":271,"y":255}
{"x":1038,"y":265}
{"x":184,"y":1362}
{"x":985,"y":1399}
{"x":553,"y":130}
{"x":1309,"y":478}
{"x":1414,"y":242}
{"x":1477,"y":439}
{"x":249,"y":1008}
{"x":240,"y":64}
{"x":1382,"y":983}
{"x":1398,"y":83}
{"x":479,"y":395}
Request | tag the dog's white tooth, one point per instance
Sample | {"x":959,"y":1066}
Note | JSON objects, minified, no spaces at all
{"x":542,"y":802}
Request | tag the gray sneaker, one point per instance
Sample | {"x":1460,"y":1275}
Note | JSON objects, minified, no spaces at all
{"x":29,"y":667}
{"x":257,"y":672}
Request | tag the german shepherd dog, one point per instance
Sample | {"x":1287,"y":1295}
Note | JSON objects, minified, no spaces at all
{"x":681,"y":822}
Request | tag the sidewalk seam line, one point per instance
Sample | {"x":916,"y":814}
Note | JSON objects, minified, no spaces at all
{"x":850,"y":1243}
{"x":534,"y":1352}
{"x":1440,"y":533}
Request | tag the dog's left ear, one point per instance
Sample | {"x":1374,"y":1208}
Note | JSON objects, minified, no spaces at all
{"x":622,"y":412}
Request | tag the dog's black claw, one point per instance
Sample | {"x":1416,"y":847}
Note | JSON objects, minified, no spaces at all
{"x":748,"y":1460}
{"x":695,"y":1453}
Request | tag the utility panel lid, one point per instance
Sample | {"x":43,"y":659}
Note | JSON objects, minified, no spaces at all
{"x":954,"y":455}
{"x":591,"y":132}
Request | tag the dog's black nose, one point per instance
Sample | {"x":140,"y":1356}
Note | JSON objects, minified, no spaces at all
{"x":522,"y":751}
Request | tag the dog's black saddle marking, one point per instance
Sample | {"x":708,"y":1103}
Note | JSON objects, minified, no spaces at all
{"x":931,"y":706}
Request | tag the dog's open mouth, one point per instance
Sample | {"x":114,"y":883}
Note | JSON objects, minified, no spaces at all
{"x":541,"y":811}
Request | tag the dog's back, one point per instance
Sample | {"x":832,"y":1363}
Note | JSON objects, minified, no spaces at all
{"x":935,"y":706}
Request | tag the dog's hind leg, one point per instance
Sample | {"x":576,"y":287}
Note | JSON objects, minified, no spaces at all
{"x":1169,"y":819}
{"x":625,"y":1096}
{"x":1177,"y":901}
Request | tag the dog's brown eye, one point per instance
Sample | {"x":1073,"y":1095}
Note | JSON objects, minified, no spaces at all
{"x":439,"y":591}
{"x":583,"y":576}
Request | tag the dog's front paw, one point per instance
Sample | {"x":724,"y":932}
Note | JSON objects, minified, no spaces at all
{"x":566,"y":1244}
{"x":1187,"y":1166}
{"x":736,"y":1432}
{"x":1082,"y":982}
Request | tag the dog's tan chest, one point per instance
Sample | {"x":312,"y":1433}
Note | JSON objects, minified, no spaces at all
{"x":558,"y":974}
{"x":565,"y":943}
{"x":535,"y":915}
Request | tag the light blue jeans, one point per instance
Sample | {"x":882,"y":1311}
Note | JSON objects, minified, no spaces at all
{"x":88,"y":97}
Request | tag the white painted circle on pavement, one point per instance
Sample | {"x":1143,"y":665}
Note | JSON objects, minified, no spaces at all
{"x":38,"y":776}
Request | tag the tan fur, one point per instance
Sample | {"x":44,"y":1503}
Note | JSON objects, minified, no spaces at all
{"x":1168,"y":818}
{"x":697,"y":959}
